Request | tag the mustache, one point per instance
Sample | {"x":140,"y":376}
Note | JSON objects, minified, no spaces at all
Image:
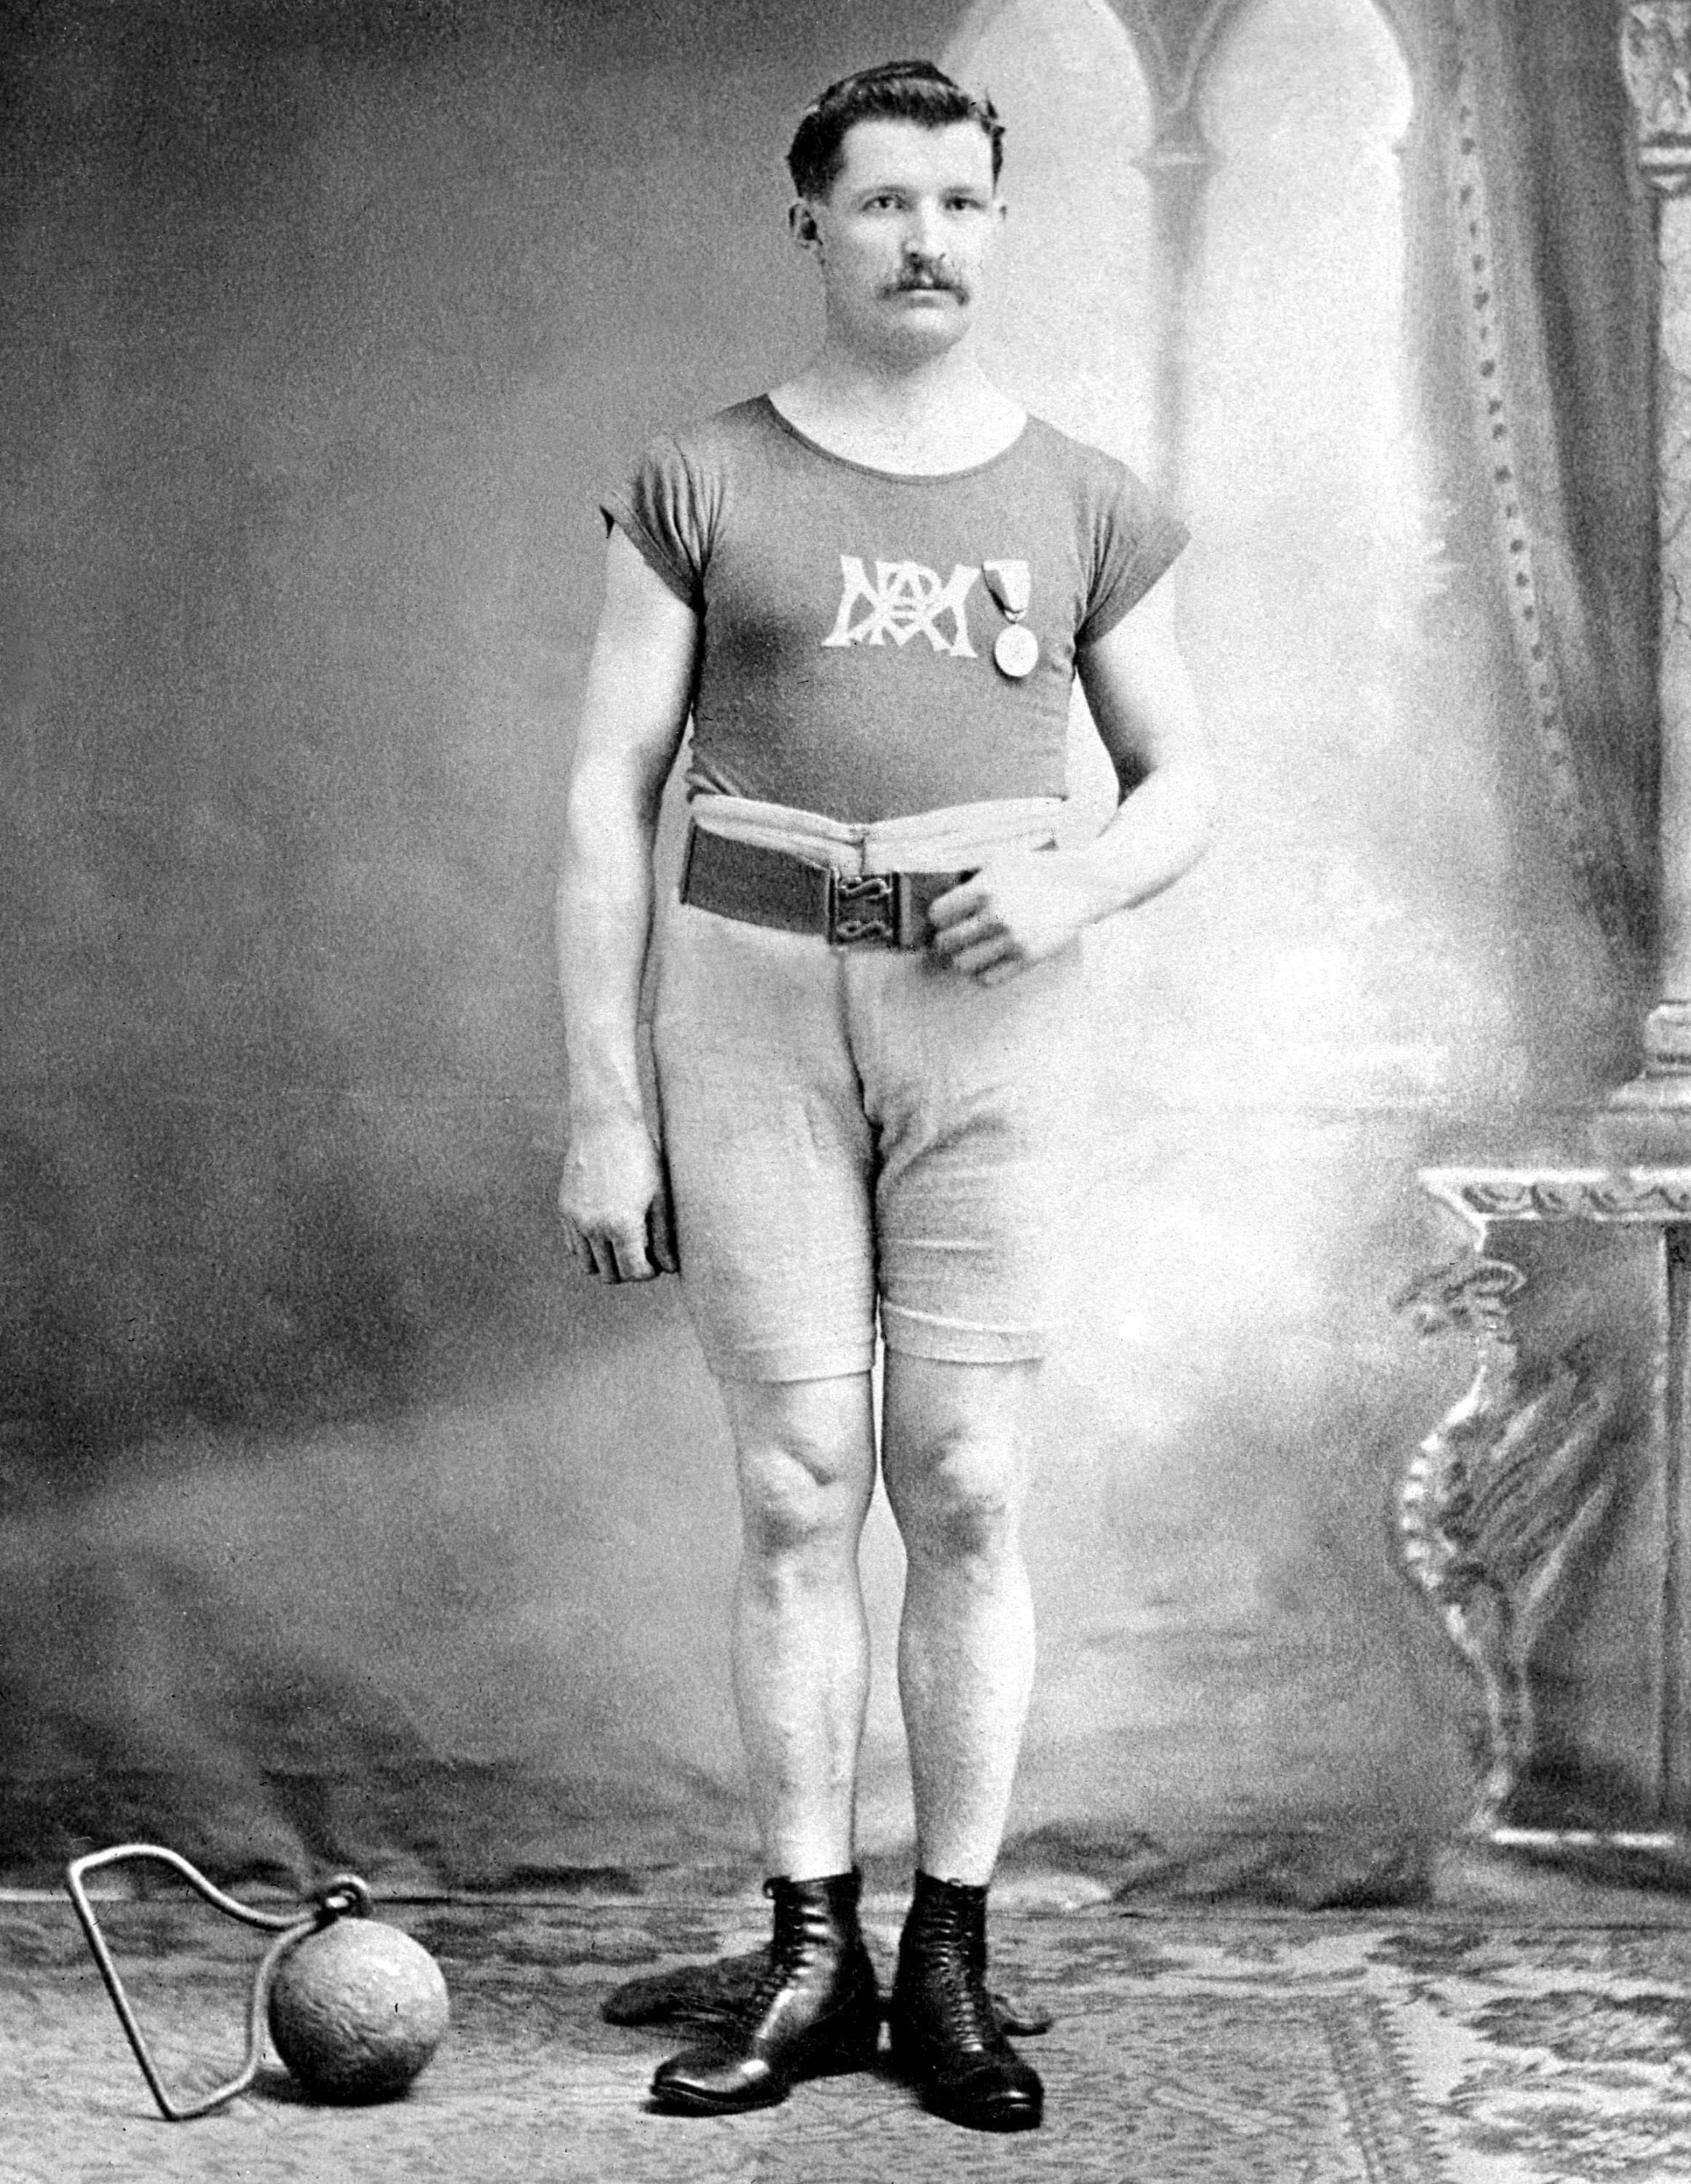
{"x":925,"y":284}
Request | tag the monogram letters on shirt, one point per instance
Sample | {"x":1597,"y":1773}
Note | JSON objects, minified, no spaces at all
{"x":906,"y":601}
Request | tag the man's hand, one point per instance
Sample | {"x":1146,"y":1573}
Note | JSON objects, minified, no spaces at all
{"x":615,"y":1204}
{"x":1011,"y":915}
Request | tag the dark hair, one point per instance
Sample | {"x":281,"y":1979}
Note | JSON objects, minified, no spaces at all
{"x":897,"y":90}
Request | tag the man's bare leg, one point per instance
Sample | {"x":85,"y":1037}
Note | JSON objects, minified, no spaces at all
{"x":957,"y":1479}
{"x":806,"y":1453}
{"x":956,"y":1475}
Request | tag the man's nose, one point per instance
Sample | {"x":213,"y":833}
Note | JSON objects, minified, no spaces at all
{"x":925,"y":236}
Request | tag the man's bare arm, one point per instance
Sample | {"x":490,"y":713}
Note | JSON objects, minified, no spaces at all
{"x":633,"y":713}
{"x":1019,"y":909}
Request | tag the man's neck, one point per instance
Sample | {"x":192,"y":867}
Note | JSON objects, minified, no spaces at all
{"x":942,"y":414}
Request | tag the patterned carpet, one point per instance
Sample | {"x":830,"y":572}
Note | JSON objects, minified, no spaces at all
{"x":1225,"y":2048}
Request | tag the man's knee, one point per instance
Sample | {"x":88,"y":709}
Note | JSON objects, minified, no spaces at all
{"x":958,"y":1499}
{"x":788,"y":1513}
{"x":806,"y":1467}
{"x":955,"y":1467}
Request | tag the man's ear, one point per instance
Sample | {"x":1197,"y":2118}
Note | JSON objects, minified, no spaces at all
{"x":802,"y":221}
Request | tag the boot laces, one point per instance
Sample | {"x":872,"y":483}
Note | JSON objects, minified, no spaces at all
{"x":790,"y":1944}
{"x":772,"y":1980}
{"x":957,"y":1968}
{"x":968,"y":2003}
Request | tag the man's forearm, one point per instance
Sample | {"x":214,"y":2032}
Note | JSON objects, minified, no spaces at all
{"x":1157,"y":833}
{"x":634,"y":708}
{"x":604,"y":917}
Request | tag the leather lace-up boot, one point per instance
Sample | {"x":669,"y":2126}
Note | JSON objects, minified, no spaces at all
{"x":947,"y":2040}
{"x":816,"y":2011}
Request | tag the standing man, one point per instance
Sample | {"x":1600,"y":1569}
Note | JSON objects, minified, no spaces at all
{"x":870,"y":589}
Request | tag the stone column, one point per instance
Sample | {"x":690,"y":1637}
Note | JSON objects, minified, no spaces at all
{"x":1178,"y":166}
{"x":1656,"y":58}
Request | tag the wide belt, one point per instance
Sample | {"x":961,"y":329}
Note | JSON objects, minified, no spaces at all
{"x":762,"y":886}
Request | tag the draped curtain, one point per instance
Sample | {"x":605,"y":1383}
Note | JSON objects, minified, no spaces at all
{"x":1553,"y":248}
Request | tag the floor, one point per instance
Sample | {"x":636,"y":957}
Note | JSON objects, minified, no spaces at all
{"x":1478,"y":2043}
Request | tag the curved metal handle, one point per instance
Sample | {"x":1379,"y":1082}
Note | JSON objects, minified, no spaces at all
{"x":345,"y":1896}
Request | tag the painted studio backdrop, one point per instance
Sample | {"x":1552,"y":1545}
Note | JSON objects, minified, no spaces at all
{"x":344,"y":1523}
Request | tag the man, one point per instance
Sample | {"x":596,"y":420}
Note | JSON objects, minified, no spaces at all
{"x":870,"y":589}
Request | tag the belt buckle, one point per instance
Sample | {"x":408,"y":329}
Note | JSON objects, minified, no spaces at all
{"x":865,"y":909}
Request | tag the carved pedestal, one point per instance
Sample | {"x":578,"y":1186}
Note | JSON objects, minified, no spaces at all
{"x":1548,"y":1517}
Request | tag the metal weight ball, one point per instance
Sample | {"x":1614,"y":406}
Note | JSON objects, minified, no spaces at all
{"x":356,"y":2010}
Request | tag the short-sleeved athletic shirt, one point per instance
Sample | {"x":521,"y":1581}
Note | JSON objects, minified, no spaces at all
{"x":849,"y":615}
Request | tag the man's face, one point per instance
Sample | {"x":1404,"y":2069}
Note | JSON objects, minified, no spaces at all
{"x":904,"y":236}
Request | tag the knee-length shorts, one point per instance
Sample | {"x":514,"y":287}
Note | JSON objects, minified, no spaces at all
{"x":862,"y":1132}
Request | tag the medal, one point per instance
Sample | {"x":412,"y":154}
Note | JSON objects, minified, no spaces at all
{"x":1016,"y":653}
